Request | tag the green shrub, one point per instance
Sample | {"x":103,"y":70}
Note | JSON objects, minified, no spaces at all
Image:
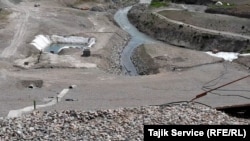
{"x":159,"y":3}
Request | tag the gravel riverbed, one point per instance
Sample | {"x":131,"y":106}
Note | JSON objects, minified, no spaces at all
{"x":112,"y":124}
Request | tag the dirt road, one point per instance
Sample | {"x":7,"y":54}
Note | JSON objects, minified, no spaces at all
{"x":20,"y":30}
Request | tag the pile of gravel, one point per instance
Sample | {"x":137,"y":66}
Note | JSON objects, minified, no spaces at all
{"x":118,"y":124}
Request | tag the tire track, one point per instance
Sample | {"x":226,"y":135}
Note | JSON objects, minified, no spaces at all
{"x":20,"y":30}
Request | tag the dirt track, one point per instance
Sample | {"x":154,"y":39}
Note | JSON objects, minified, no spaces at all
{"x":20,"y":29}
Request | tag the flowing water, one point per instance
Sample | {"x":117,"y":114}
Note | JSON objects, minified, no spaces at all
{"x":137,"y":39}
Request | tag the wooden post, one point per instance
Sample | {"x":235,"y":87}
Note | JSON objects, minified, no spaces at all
{"x":34,"y":102}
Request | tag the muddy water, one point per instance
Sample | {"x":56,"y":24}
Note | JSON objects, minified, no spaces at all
{"x":137,"y":38}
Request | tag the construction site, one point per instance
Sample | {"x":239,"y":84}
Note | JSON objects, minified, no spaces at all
{"x":120,"y":64}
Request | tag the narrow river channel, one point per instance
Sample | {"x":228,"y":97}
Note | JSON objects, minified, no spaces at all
{"x":137,"y":39}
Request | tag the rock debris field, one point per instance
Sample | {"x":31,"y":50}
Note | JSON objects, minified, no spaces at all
{"x":116,"y":124}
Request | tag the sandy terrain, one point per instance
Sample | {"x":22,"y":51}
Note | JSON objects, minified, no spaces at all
{"x":96,"y":89}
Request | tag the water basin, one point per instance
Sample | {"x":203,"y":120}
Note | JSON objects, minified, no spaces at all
{"x":56,"y":48}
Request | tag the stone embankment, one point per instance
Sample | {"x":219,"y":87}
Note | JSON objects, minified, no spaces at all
{"x":183,"y":35}
{"x":143,"y":62}
{"x":118,"y":124}
{"x":113,"y":51}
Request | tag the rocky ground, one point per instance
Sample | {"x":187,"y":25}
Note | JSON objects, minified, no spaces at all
{"x":119,"y":124}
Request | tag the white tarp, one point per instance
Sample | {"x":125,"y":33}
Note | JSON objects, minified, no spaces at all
{"x":69,"y":40}
{"x":43,"y":41}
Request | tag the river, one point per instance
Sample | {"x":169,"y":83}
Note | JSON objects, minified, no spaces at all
{"x":137,"y":39}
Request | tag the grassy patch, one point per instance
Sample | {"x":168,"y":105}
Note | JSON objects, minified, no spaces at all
{"x":159,"y":3}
